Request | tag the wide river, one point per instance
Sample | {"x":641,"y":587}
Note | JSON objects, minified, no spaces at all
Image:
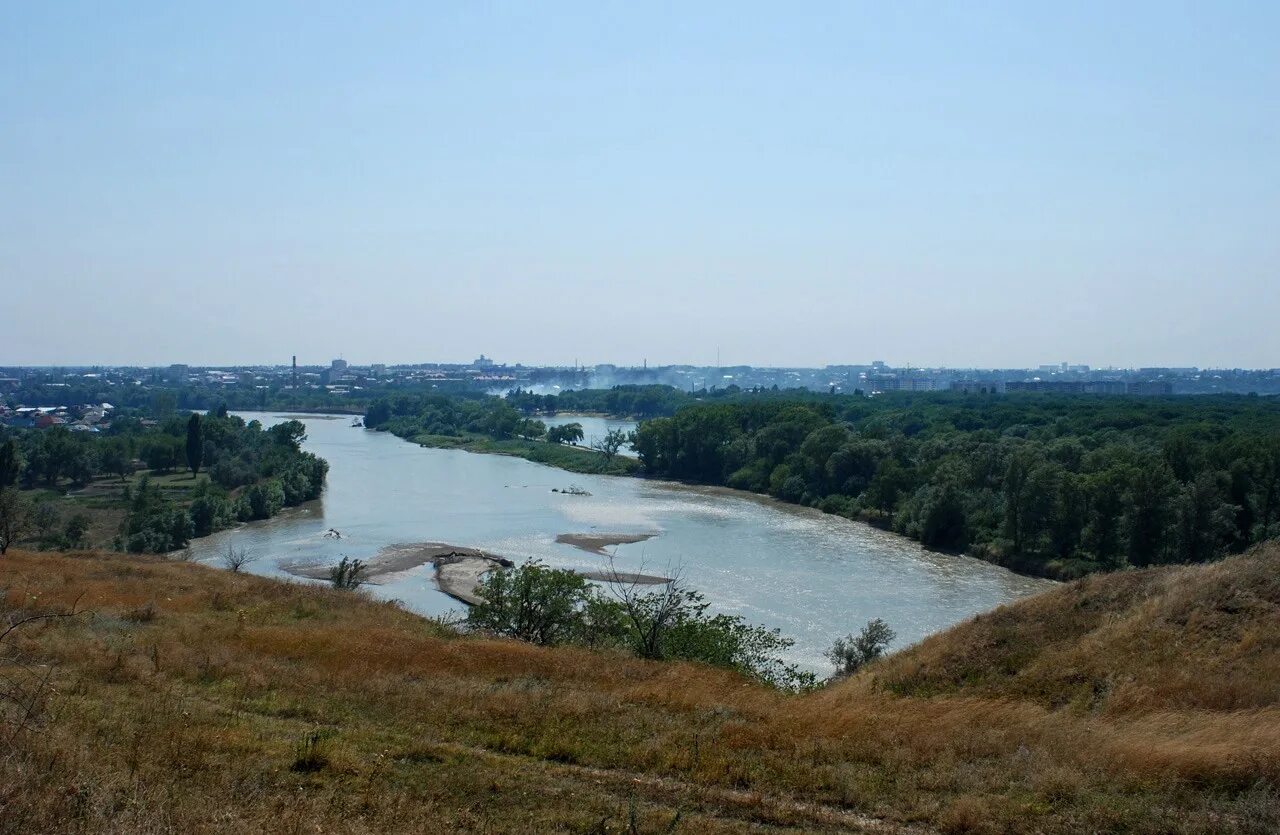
{"x":812,"y":575}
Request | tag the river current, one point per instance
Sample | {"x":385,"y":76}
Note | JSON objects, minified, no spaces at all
{"x":811,"y":575}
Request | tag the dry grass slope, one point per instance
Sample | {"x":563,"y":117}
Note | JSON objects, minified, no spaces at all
{"x":1204,"y":637}
{"x":189,"y":699}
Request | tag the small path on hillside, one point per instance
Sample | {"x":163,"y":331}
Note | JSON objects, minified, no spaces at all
{"x":745,"y":805}
{"x":752,"y":808}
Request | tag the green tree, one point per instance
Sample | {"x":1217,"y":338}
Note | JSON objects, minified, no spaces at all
{"x":609,"y":445}
{"x":1206,"y":517}
{"x":851,"y":467}
{"x":10,"y":463}
{"x":115,"y":457}
{"x":1150,"y":511}
{"x":568,"y":433}
{"x":74,"y":532}
{"x":44,"y":518}
{"x":262,"y":500}
{"x":378,"y":413}
{"x":161,"y":452}
{"x":1070,"y":515}
{"x":1029,"y":488}
{"x":531,"y":602}
{"x":289,"y":434}
{"x":210,"y":509}
{"x":154,"y":525}
{"x":815,"y":453}
{"x":887,"y":486}
{"x":936,"y":516}
{"x":1103,"y":534}
{"x":54,"y":453}
{"x":14,"y":511}
{"x":195,"y":444}
{"x":531,"y":429}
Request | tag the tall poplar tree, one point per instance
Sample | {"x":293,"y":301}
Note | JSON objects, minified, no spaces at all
{"x":10,"y":463}
{"x":195,"y":444}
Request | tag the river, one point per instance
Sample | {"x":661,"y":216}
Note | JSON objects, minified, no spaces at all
{"x":812,"y":575}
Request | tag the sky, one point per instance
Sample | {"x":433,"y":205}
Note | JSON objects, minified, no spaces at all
{"x":960,"y":184}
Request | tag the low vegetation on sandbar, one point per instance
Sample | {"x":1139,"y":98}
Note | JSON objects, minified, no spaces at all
{"x":491,"y":424}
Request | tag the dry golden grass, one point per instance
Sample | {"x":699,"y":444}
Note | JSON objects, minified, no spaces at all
{"x":1202,"y":637}
{"x":189,"y":699}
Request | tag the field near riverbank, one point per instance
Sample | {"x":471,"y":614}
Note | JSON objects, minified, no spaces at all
{"x":178,"y":697}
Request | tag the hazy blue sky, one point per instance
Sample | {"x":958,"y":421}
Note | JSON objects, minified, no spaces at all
{"x":959,"y":183}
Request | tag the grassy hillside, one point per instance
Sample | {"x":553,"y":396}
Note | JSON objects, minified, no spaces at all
{"x":1192,"y":638}
{"x":181,"y":698}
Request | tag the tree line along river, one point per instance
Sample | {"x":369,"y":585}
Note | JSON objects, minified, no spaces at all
{"x":813,"y":576}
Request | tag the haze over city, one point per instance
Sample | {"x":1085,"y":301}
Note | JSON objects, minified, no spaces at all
{"x":992,"y":187}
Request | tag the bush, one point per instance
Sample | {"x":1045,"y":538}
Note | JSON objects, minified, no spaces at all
{"x":153,"y":525}
{"x":44,"y":518}
{"x":673,"y":623}
{"x":851,"y":653}
{"x":74,"y":533}
{"x":533,"y":603}
{"x":234,"y":559}
{"x":792,"y":489}
{"x":837,"y":504}
{"x":552,"y":606}
{"x":347,"y":575}
{"x":261,"y":501}
{"x":312,"y":753}
{"x":231,"y":472}
{"x":210,"y":509}
{"x":162,"y":452}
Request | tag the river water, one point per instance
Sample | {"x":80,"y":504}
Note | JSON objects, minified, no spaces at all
{"x":812,"y":575}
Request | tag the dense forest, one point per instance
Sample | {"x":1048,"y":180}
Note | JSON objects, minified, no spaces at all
{"x":238,"y":472}
{"x":1059,"y":485}
{"x":647,"y":401}
{"x":442,"y":414}
{"x":1054,"y":485}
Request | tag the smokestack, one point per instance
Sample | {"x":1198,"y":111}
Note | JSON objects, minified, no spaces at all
{"x":295,"y":371}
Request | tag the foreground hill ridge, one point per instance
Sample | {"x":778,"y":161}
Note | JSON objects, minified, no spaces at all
{"x":1202,"y":637}
{"x":183,"y":698}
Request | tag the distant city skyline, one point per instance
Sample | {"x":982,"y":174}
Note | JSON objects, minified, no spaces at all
{"x":341,"y":363}
{"x":341,"y":378}
{"x":964,"y":186}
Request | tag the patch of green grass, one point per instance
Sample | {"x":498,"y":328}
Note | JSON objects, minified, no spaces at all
{"x":103,"y":501}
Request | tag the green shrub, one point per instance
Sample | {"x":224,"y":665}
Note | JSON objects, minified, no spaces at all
{"x":551,"y":606}
{"x":347,"y":574}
